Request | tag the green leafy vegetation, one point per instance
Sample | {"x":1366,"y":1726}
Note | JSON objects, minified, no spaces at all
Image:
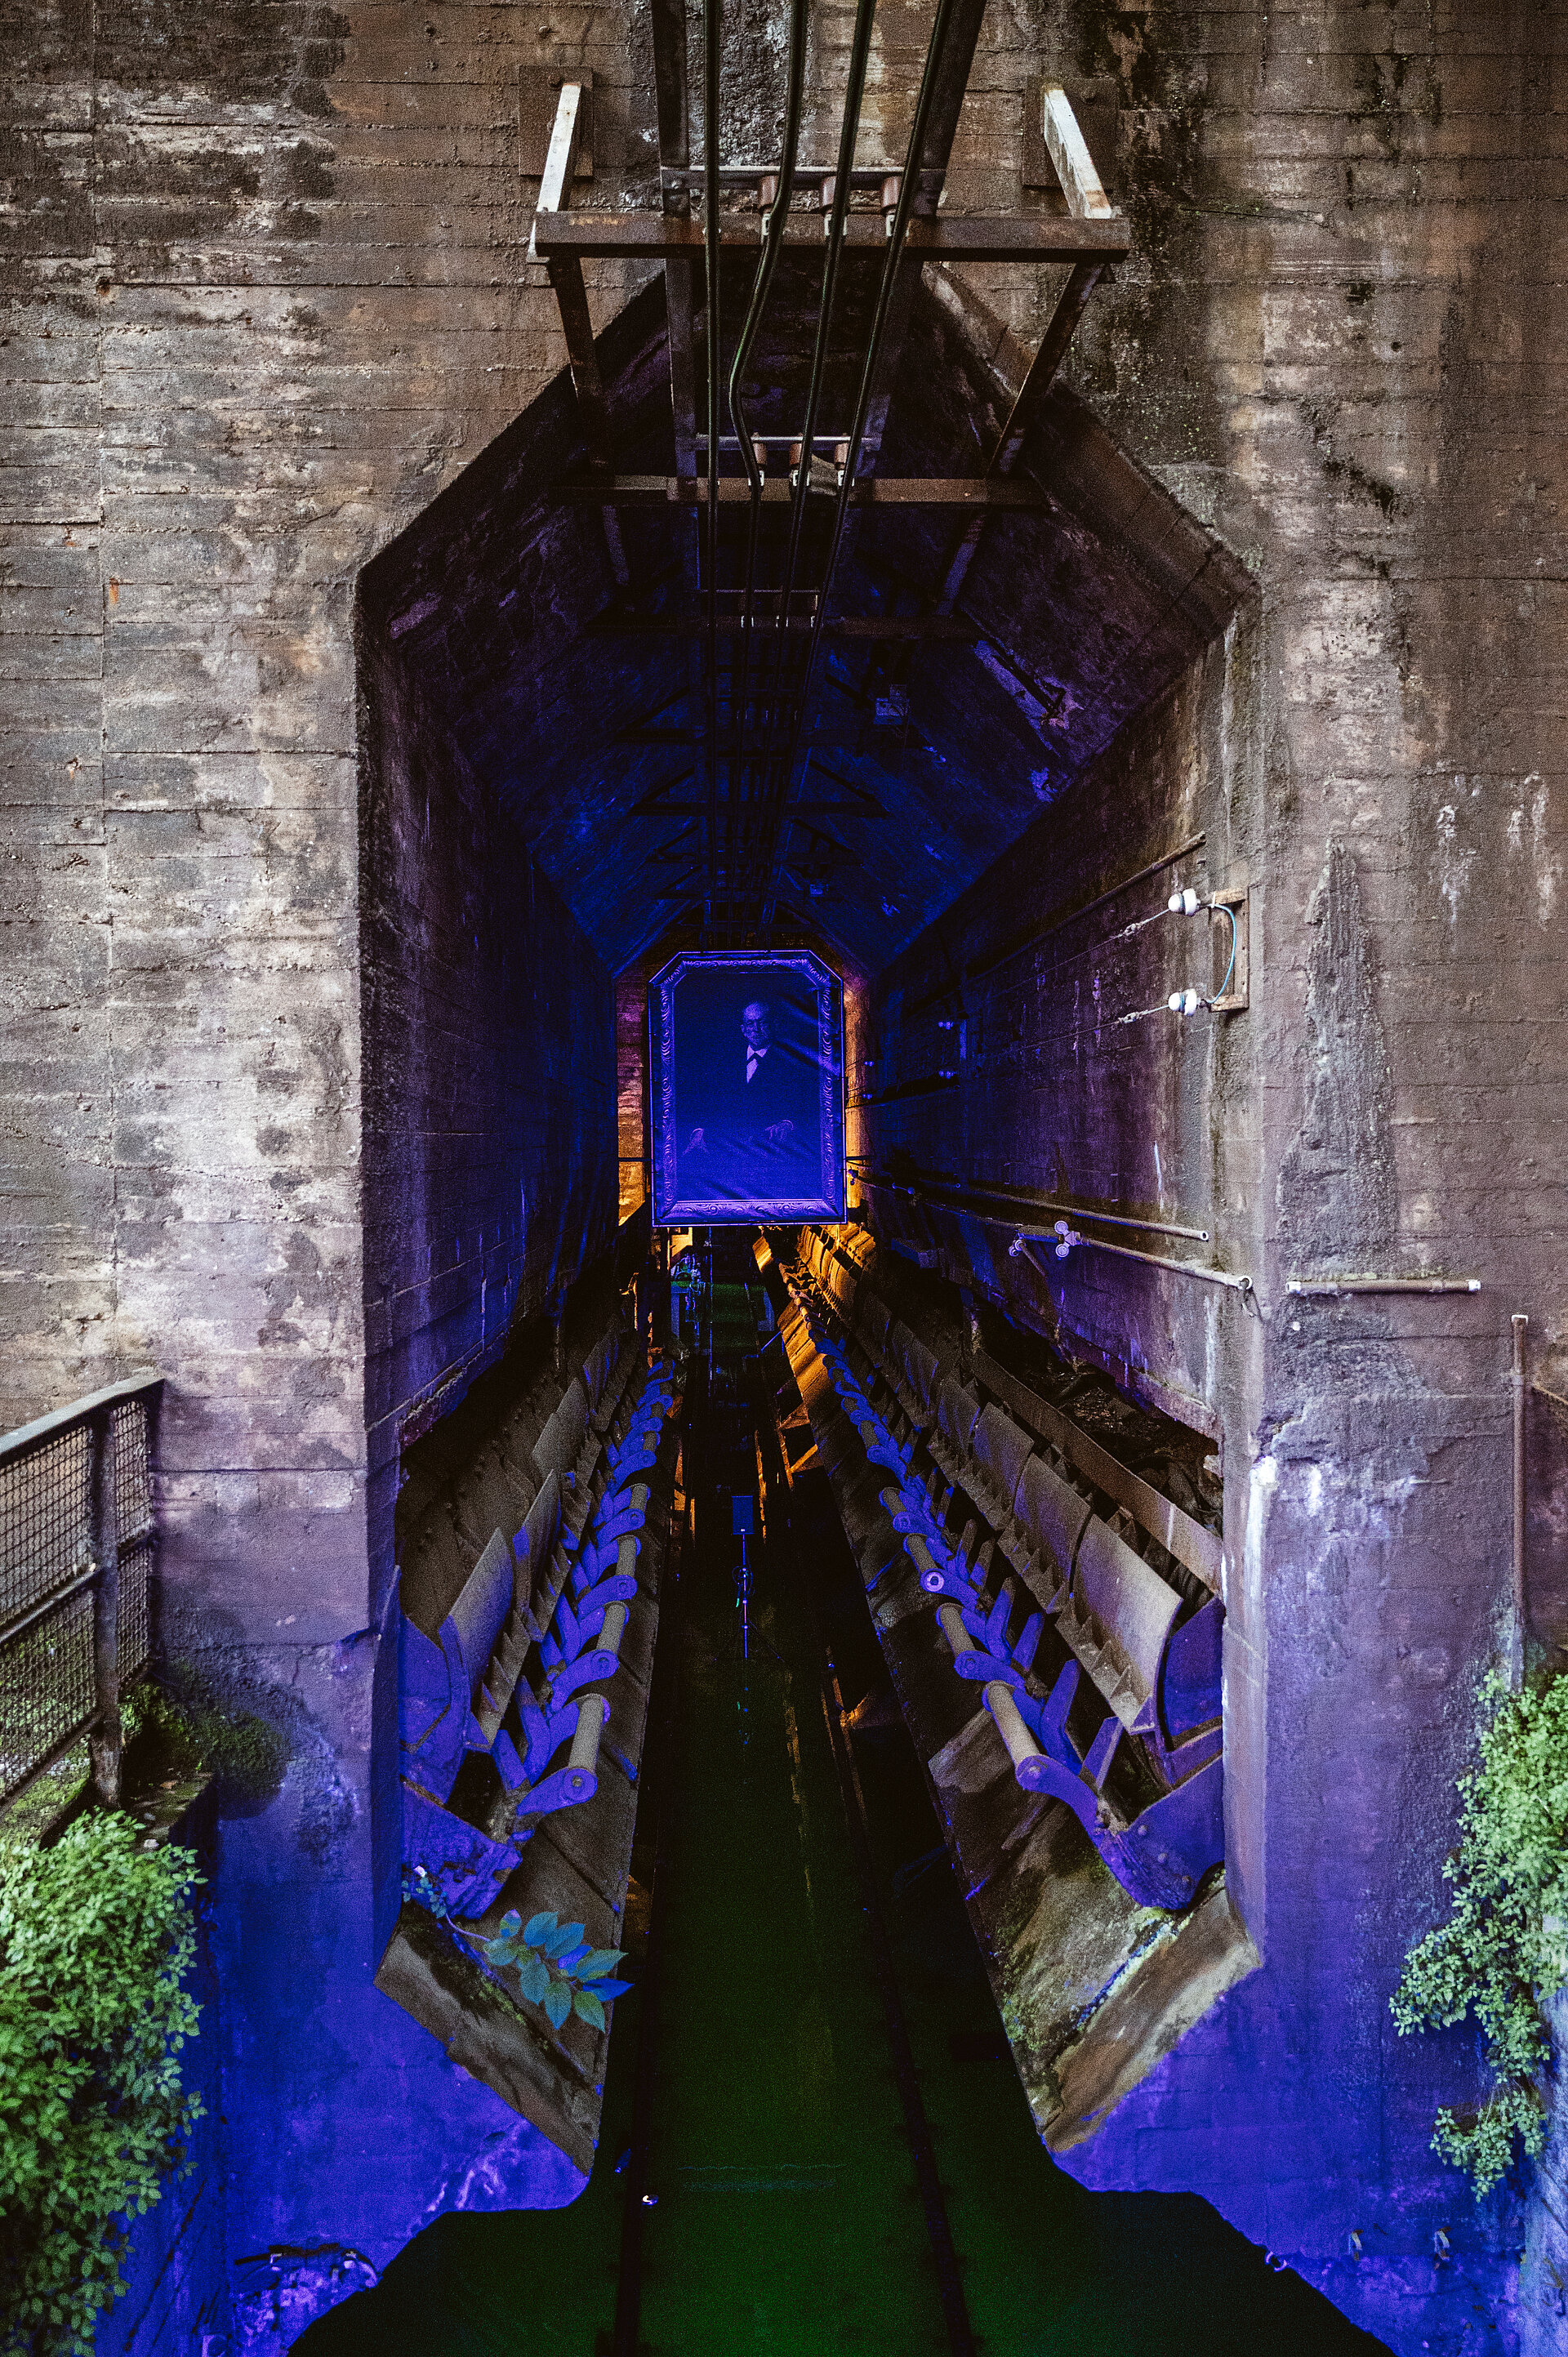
{"x":557,"y":1969}
{"x":96,"y":1937}
{"x":1504,"y":1950}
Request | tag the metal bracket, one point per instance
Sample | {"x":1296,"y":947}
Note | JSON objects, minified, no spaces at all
{"x":1236,"y":996}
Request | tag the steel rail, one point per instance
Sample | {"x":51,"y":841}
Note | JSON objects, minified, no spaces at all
{"x":952,"y":237}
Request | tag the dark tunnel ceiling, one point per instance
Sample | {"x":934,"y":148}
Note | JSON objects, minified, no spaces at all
{"x":1085,"y":610}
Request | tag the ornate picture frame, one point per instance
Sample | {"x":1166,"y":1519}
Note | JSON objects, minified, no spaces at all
{"x":746,"y":1088}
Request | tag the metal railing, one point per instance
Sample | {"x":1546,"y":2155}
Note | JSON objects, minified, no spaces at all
{"x":77,"y":1538}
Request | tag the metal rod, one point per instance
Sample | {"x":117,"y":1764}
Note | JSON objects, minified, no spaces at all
{"x":933,"y":86}
{"x":1329,"y":1289}
{"x":103,"y":1526}
{"x":1150,"y":1259}
{"x":935,"y":1190}
{"x":774,"y":222}
{"x":1516,"y":1652}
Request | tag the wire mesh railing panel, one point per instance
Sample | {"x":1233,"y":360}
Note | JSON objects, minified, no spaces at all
{"x":133,"y":1470}
{"x":47,"y":1693}
{"x":45,"y":1536}
{"x":77,"y":1543}
{"x":134,"y":1621}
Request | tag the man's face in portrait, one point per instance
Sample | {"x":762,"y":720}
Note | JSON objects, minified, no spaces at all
{"x":754,"y":1023}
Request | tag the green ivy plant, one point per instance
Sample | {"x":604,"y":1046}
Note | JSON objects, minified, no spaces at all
{"x":1504,"y":1951}
{"x":96,"y":1937}
{"x":557,"y":1967}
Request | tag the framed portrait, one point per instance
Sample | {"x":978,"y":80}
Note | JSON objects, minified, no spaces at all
{"x":746,"y":1074}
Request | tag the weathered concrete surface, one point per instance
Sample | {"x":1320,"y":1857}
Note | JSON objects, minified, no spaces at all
{"x":1334,"y":344}
{"x":265,"y":296}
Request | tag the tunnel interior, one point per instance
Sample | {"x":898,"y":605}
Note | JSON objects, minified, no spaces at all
{"x":1010,"y":770}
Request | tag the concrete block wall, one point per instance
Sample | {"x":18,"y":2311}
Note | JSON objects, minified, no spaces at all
{"x":1334,"y":344}
{"x":263,"y":294}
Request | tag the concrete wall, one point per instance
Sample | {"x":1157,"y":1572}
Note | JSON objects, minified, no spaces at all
{"x":265,"y":295}
{"x":1334,"y":344}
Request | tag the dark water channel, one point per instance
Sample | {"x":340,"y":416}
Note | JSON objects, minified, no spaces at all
{"x":786,"y":2218}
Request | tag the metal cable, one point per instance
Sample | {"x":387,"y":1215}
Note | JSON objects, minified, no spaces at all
{"x":906,"y":194}
{"x":713,"y":28}
{"x":772,"y":246}
{"x":860,"y":55}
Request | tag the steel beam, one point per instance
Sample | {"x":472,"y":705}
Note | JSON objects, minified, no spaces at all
{"x":954,"y":237}
{"x":877,"y":491}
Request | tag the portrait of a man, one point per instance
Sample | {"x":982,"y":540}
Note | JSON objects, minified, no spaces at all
{"x":746,"y":1067}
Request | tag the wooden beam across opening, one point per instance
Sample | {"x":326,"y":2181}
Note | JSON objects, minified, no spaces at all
{"x":874,"y":490}
{"x":951,"y":236}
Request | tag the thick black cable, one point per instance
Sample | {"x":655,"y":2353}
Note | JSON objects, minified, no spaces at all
{"x":713,"y":28}
{"x":849,"y":133}
{"x":907,"y":189}
{"x":772,"y":246}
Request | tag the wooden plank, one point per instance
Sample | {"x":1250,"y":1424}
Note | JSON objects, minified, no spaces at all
{"x":977,"y":491}
{"x":953,"y":237}
{"x":1068,"y":152}
{"x":572,"y":294}
{"x":539,"y":98}
{"x":1198,"y":1549}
